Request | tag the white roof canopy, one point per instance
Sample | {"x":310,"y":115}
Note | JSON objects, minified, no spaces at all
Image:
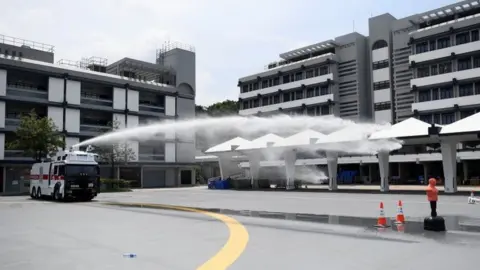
{"x":228,"y":145}
{"x":470,"y":124}
{"x":261,"y":142}
{"x":305,"y":137}
{"x":410,"y":127}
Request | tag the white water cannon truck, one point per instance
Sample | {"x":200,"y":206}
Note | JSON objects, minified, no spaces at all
{"x":69,"y":174}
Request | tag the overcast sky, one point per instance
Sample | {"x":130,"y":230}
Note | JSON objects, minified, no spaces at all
{"x":231,"y":38}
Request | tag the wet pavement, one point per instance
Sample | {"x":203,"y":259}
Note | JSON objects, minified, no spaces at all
{"x":285,"y":231}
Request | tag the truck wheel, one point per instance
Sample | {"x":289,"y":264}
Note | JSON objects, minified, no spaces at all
{"x":39,"y":193}
{"x":33,"y":194}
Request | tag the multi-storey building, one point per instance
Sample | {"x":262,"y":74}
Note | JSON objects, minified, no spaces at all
{"x":423,"y":65}
{"x":329,"y":77}
{"x":83,"y":99}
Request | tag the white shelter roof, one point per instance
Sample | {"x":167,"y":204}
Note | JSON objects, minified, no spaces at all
{"x":228,"y":145}
{"x":410,"y":127}
{"x":261,"y":142}
{"x":349,"y":134}
{"x":302,"y":138}
{"x":465,"y":125}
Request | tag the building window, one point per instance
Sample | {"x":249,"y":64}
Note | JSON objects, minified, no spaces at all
{"x":276,"y":81}
{"x":436,"y":118}
{"x":382,"y":106}
{"x":379,"y":44}
{"x":323,"y":70}
{"x":381,"y":85}
{"x":264,"y":84}
{"x":324,"y":90}
{"x":448,"y":118}
{"x":464,"y":63}
{"x":477,"y":88}
{"x":245,"y":89}
{"x":265,"y":101}
{"x":434,"y":70}
{"x":421,"y":47}
{"x":476,"y":61}
{"x":423,"y":72}
{"x":443,"y":42}
{"x":286,"y":97}
{"x":433,"y":45}
{"x":424,"y":95}
{"x":465,"y":90}
{"x":299,"y":94}
{"x":298,"y":76}
{"x":426,"y":118}
{"x":310,"y":92}
{"x":309,"y":74}
{"x":445,"y":68}
{"x":435,"y":94}
{"x":446,"y":92}
{"x":245,"y":105}
{"x":462,"y":38}
{"x":276,"y":99}
{"x":286,"y":79}
{"x":465,"y":114}
{"x":256,"y":103}
{"x":380,"y":64}
{"x":475,"y":36}
{"x":325,"y":110}
{"x":255,"y":86}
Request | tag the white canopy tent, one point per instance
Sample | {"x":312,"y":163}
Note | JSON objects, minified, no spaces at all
{"x":225,"y":153}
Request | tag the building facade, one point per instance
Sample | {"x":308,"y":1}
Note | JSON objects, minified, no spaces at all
{"x":423,"y":65}
{"x":329,"y":77}
{"x":83,"y":99}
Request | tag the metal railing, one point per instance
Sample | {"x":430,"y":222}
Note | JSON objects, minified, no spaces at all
{"x":16,"y":154}
{"x":12,"y":122}
{"x":151,"y":157}
{"x":96,"y":101}
{"x":151,"y":108}
{"x":26,"y":43}
{"x":94,"y":128}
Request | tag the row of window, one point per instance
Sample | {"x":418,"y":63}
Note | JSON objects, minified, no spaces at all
{"x":290,"y":96}
{"x":445,"y":118}
{"x":445,"y":42}
{"x":288,"y":78}
{"x":446,"y":92}
{"x":381,"y":85}
{"x":382,"y":106}
{"x":380,"y":64}
{"x":463,"y":63}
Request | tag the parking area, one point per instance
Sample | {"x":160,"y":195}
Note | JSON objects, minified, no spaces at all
{"x":269,"y":232}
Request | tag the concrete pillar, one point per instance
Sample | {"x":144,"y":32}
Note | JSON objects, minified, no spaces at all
{"x":254,"y":161}
{"x":384,"y":165}
{"x":332,"y":164}
{"x":449,"y":160}
{"x":370,"y":176}
{"x":290,"y":159}
{"x":465,"y":171}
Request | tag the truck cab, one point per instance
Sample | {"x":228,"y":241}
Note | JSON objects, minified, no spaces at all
{"x":68,"y":175}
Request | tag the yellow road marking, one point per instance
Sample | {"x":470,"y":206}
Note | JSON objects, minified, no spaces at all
{"x":231,"y":250}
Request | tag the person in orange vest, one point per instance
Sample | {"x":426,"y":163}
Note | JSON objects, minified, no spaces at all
{"x":432,"y":195}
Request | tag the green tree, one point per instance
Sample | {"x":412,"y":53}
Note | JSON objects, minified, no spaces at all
{"x":114,"y":154}
{"x":37,"y":136}
{"x":224,"y":108}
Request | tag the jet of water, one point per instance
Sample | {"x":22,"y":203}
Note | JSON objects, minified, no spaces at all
{"x":241,"y":126}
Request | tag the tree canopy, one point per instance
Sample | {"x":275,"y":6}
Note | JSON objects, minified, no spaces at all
{"x":37,"y":136}
{"x":224,"y":108}
{"x":114,"y":153}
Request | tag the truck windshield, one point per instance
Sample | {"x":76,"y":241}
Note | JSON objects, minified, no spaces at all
{"x":91,"y":170}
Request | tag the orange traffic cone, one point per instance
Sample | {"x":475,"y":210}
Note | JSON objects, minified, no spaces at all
{"x":382,"y":220}
{"x":400,"y":228}
{"x":400,"y":217}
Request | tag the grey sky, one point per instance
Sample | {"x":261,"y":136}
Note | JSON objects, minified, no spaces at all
{"x":232,"y":38}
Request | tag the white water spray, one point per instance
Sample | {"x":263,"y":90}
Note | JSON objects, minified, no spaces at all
{"x":254,"y":127}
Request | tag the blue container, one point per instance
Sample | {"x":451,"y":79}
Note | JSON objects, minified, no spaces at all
{"x":218,"y":184}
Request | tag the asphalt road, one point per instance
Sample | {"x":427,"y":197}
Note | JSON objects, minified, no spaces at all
{"x":47,"y":235}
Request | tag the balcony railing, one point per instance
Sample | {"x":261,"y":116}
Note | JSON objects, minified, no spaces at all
{"x":94,"y":128}
{"x":151,"y":108}
{"x":16,"y":154}
{"x":26,"y":91}
{"x":151,"y":157}
{"x":96,"y":101}
{"x":12,"y":122}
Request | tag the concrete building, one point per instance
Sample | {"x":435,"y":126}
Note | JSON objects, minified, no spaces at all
{"x":330,"y":77}
{"x":82,"y":97}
